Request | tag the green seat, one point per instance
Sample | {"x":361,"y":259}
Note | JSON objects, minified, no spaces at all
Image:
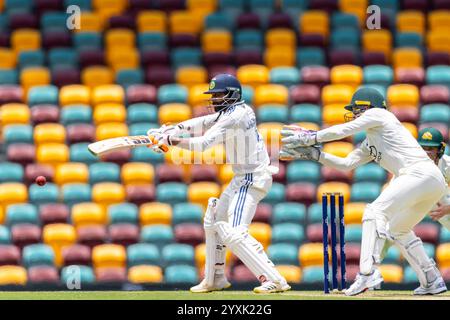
{"x":22,"y":213}
{"x":309,"y":56}
{"x":62,"y":57}
{"x":38,"y":255}
{"x":408,"y":39}
{"x":143,"y":253}
{"x":83,"y":274}
{"x":79,"y":152}
{"x":157,"y":234}
{"x":345,"y":38}
{"x":185,"y":56}
{"x":444,"y":235}
{"x":187,"y":213}
{"x":288,"y":233}
{"x":312,"y":275}
{"x":129,"y":77}
{"x":435,"y":112}
{"x":171,"y":192}
{"x":439,"y":74}
{"x":152,"y":40}
{"x":303,"y":171}
{"x":18,"y":133}
{"x":288,"y":212}
{"x":177,"y":253}
{"x":11,"y":172}
{"x":359,"y":137}
{"x":249,"y":39}
{"x":353,"y":233}
{"x":315,"y":213}
{"x":218,"y":20}
{"x":31,"y":58}
{"x":365,"y":191}
{"x":409,"y":275}
{"x":49,"y":193}
{"x":286,"y":76}
{"x":172,"y":93}
{"x":393,"y":255}
{"x":73,"y":193}
{"x":344,"y":20}
{"x":123,"y":213}
{"x":247,"y":94}
{"x":146,"y":155}
{"x":77,"y":113}
{"x":104,"y":172}
{"x":5,"y":235}
{"x":276,"y":194}
{"x":9,"y":76}
{"x":180,"y":274}
{"x":43,"y":95}
{"x":141,"y":128}
{"x":370,"y":172}
{"x":87,"y":40}
{"x":272,"y":113}
{"x":142,"y":112}
{"x":283,"y":253}
{"x":306,"y":112}
{"x":378,"y":74}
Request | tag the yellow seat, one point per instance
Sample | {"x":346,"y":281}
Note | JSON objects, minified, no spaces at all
{"x":338,"y":148}
{"x":200,"y":192}
{"x":120,"y":38}
{"x":13,"y":275}
{"x":107,"y":193}
{"x":145,"y":274}
{"x":334,"y":187}
{"x":2,"y":215}
{"x":151,"y":21}
{"x":253,"y":75}
{"x":74,"y":94}
{"x":411,"y":21}
{"x":225,"y":173}
{"x":96,"y":76}
{"x":204,"y":5}
{"x":311,"y":254}
{"x":90,"y":22}
{"x":88,"y":213}
{"x":353,"y":212}
{"x":196,"y":96}
{"x":174,"y":113}
{"x":337,"y":93}
{"x":439,"y":20}
{"x":281,"y":37}
{"x":58,"y":236}
{"x":13,"y":192}
{"x":377,"y":41}
{"x":270,"y":131}
{"x":391,"y":273}
{"x":191,"y":75}
{"x":35,"y":76}
{"x":52,"y":153}
{"x":137,"y":173}
{"x":109,"y":255}
{"x":407,"y":58}
{"x":71,"y":172}
{"x":109,"y":112}
{"x":200,"y":253}
{"x":112,"y":4}
{"x":155,"y":213}
{"x":178,"y":156}
{"x":25,"y":40}
{"x":292,"y":274}
{"x":217,"y":41}
{"x":214,"y":155}
{"x":402,"y":94}
{"x":7,"y":58}
{"x":346,"y":74}
{"x":112,"y":93}
{"x":261,"y":232}
{"x":111,"y":130}
{"x":438,"y":41}
{"x":271,"y":93}
{"x":184,"y":22}
{"x":279,"y":57}
{"x":355,"y":7}
{"x":49,"y":132}
{"x":333,"y":114}
{"x":14,"y":113}
{"x":443,"y":255}
{"x":123,"y":58}
{"x":315,"y":21}
{"x":412,"y":128}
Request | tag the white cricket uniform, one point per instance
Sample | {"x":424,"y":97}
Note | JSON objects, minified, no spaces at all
{"x":444,"y":166}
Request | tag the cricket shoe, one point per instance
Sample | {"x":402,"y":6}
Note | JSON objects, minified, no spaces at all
{"x":363,"y":283}
{"x":220,"y":283}
{"x":272,"y":287}
{"x":436,"y":287}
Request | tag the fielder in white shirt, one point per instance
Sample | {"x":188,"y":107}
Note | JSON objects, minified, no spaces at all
{"x":416,"y":187}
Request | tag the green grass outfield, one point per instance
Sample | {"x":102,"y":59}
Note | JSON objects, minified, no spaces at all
{"x":224,"y":295}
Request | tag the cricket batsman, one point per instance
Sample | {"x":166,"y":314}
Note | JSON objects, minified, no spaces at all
{"x":416,"y":187}
{"x":226,"y":221}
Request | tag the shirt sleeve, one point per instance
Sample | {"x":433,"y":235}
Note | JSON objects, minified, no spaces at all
{"x":354,"y":159}
{"x":369,"y":119}
{"x":197,"y":126}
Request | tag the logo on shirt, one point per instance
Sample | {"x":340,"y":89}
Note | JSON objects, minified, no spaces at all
{"x":376,"y":156}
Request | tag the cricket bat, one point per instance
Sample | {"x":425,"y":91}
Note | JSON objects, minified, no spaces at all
{"x":108,"y":145}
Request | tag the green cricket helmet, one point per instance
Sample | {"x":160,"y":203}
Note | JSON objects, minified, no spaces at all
{"x":364,"y":98}
{"x":431,"y":137}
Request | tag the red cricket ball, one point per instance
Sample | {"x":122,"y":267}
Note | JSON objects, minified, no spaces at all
{"x":41,"y":180}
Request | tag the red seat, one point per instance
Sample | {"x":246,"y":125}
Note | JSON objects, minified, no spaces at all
{"x":263,"y":213}
{"x":124,"y":233}
{"x":204,"y":172}
{"x":33,"y":170}
{"x":43,"y":274}
{"x":169,"y":173}
{"x":415,"y":76}
{"x":281,"y":175}
{"x":141,"y":93}
{"x":9,"y":255}
{"x":76,"y":254}
{"x":139,"y":194}
{"x":428,"y":232}
{"x":301,"y":192}
{"x":92,"y":235}
{"x":248,"y":56}
{"x":183,"y":40}
{"x":305,"y":93}
{"x":25,"y":234}
{"x":406,"y":114}
{"x":317,"y":75}
{"x":10,"y":94}
{"x":370,"y":58}
{"x":189,"y":233}
{"x":21,"y":153}
{"x":248,"y":20}
{"x":81,"y":132}
{"x":119,"y":157}
{"x":155,"y":57}
{"x":44,"y":113}
{"x":54,"y":213}
{"x":434,"y":93}
{"x":331,"y":174}
{"x":159,"y":75}
{"x":314,"y":232}
{"x":111,"y":274}
{"x":241,"y":273}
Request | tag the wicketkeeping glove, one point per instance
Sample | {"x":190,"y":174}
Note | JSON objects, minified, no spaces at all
{"x":295,"y":136}
{"x":300,"y":153}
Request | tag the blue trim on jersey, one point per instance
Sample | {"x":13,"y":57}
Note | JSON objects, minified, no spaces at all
{"x":248,"y":183}
{"x":237,"y":203}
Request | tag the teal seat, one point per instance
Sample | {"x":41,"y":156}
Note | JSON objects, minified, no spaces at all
{"x":247,"y":94}
{"x":276,"y":194}
{"x":84,"y":5}
{"x":393,"y":255}
{"x":263,"y":8}
{"x":104,"y":172}
{"x":123,"y":213}
{"x":143,"y":253}
{"x":84,"y":274}
{"x":430,"y":249}
{"x":77,"y":113}
{"x":306,"y":112}
{"x":312,"y":275}
{"x":303,"y":171}
{"x":43,"y":95}
{"x":353,"y":233}
{"x":4,"y":22}
{"x":73,"y":193}
{"x":288,"y":212}
{"x":409,"y":275}
{"x":315,"y":213}
{"x":171,"y":192}
{"x":180,"y":274}
{"x":218,"y":20}
{"x":16,"y":6}
{"x":371,"y":172}
{"x":186,"y":57}
{"x":5,"y":235}
{"x":249,"y":39}
{"x":141,"y":128}
{"x":142,"y":112}
{"x":172,"y":93}
{"x":294,"y":9}
{"x":177,"y":253}
{"x":444,"y":235}
{"x":146,"y":155}
{"x":157,"y":234}
{"x":283,"y":253}
{"x":152,"y":40}
{"x":344,"y":20}
{"x":80,"y":153}
{"x":54,"y":21}
{"x":365,"y":191}
{"x":11,"y":172}
{"x":32,"y":58}
{"x":129,"y":77}
{"x":49,"y":193}
{"x":345,"y":38}
{"x":87,"y":40}
{"x":310,"y":56}
{"x":9,"y":76}
{"x":288,"y":233}
{"x":378,"y":74}
{"x":187,"y":213}
{"x":22,"y":213}
{"x":439,"y":74}
{"x":389,"y":5}
{"x":272,"y":113}
{"x":435,"y":112}
{"x":286,"y":76}
{"x":62,"y":57}
{"x":359,"y":137}
{"x":408,"y":39}
{"x":232,"y":7}
{"x":38,"y":255}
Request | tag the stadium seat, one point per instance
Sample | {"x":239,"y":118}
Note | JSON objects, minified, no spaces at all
{"x":180,"y":274}
{"x":145,"y":274}
{"x":73,"y":193}
{"x":283,"y":253}
{"x":353,"y":233}
{"x":13,"y":275}
{"x":108,"y":255}
{"x":303,"y":171}
{"x":370,"y":172}
{"x":38,"y":254}
{"x":171,"y":192}
{"x":107,"y":193}
{"x":155,"y":213}
{"x":143,"y":254}
{"x":84,"y":214}
{"x":177,"y":254}
{"x":58,"y":236}
{"x":86,"y":274}
{"x":311,"y":254}
{"x":365,"y":191}
{"x":288,"y":233}
{"x":391,"y":273}
{"x":346,"y":74}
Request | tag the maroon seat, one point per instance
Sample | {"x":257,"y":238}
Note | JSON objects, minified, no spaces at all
{"x":280,"y":20}
{"x":43,"y":274}
{"x":111,"y":274}
{"x":241,"y":273}
{"x":139,"y":194}
{"x":23,"y":20}
{"x":442,"y":127}
{"x":21,"y":153}
{"x":446,"y":274}
{"x":64,"y":76}
{"x":160,"y":75}
{"x":314,"y":232}
{"x":124,"y":233}
{"x":172,"y":5}
{"x":248,"y":20}
{"x":81,"y":132}
{"x":415,"y":76}
{"x":351,"y":271}
{"x":312,"y":40}
{"x":42,"y":113}
{"x":155,"y":57}
{"x":9,"y":255}
{"x":428,"y":232}
{"x":441,"y":4}
{"x":406,"y":114}
{"x":343,"y":56}
{"x":48,"y":5}
{"x":54,"y":213}
{"x":122,"y":21}
{"x":76,"y":254}
{"x":135,"y":6}
{"x":204,"y":172}
{"x":305,"y":93}
{"x":263,"y":213}
{"x":218,"y":69}
{"x":332,"y":174}
{"x":11,"y":93}
{"x":183,"y":40}
{"x":420,"y":5}
{"x":141,"y":93}
{"x":5,"y":39}
{"x":301,"y":192}
{"x":437,"y":58}
{"x":217,"y":58}
{"x":281,"y":175}
{"x":25,"y":234}
{"x":370,"y":58}
{"x":56,"y":39}
{"x":34,"y":170}
{"x":317,"y":75}
{"x":119,"y":157}
{"x":434,"y":93}
{"x":352,"y":253}
{"x":91,"y":57}
{"x":248,"y":56}
{"x":92,"y":235}
{"x":169,"y":173}
{"x":189,"y":233}
{"x":326,"y":5}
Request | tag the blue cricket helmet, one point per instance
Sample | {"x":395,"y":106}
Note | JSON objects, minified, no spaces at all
{"x":227,"y":84}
